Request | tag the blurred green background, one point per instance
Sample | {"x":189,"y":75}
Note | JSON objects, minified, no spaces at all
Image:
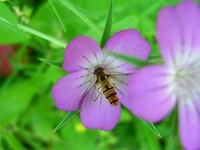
{"x":28,"y":115}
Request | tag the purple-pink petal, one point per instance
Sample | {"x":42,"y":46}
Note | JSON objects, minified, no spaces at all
{"x":178,"y":31}
{"x":69,"y":90}
{"x":151,"y":93}
{"x":129,"y":42}
{"x":189,"y":124}
{"x":81,"y":53}
{"x":126,"y":42}
{"x":100,"y":114}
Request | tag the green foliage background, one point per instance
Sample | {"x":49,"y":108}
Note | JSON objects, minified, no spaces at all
{"x":42,"y":29}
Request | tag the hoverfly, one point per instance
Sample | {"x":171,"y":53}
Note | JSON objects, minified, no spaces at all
{"x":108,"y":89}
{"x":103,"y":84}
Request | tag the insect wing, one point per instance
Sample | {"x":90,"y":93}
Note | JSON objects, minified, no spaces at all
{"x":90,"y":96}
{"x":121,"y":87}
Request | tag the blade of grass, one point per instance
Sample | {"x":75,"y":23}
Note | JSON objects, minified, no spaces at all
{"x":65,"y":120}
{"x":14,"y":141}
{"x":10,"y":24}
{"x":1,"y":136}
{"x":155,"y":59}
{"x":42,"y":35}
{"x":152,"y":9}
{"x":132,"y":60}
{"x":55,"y":11}
{"x":30,"y":30}
{"x":108,"y":25}
{"x":81,"y":16}
{"x":52,"y":62}
{"x":151,"y":126}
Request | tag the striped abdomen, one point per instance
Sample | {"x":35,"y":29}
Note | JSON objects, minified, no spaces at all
{"x":110,"y":93}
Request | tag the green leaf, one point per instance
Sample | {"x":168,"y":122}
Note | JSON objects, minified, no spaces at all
{"x":132,"y":60}
{"x":151,"y":137}
{"x":51,"y":62}
{"x":19,"y":28}
{"x":65,"y":120}
{"x":54,"y":9}
{"x":155,"y":59}
{"x":17,"y":97}
{"x":42,"y":35}
{"x":14,"y":141}
{"x":1,"y":136}
{"x":152,"y":9}
{"x":81,"y":16}
{"x":10,"y":34}
{"x":108,"y":25}
{"x":151,"y":126}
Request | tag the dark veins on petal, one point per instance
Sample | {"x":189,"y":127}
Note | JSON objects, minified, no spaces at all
{"x":118,"y":66}
{"x":88,"y":60}
{"x":115,"y":58}
{"x":119,"y":90}
{"x":96,"y":57}
{"x":82,"y":76}
{"x":161,"y":87}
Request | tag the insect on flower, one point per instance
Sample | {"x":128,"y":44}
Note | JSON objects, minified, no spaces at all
{"x":97,"y":81}
{"x":107,"y":88}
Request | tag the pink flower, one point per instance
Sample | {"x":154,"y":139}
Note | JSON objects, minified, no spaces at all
{"x":155,"y":90}
{"x":80,"y":91}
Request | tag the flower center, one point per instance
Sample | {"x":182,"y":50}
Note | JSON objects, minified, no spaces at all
{"x":187,"y":80}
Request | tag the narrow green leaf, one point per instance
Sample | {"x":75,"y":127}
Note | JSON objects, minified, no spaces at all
{"x":152,"y":9}
{"x":8,"y":81}
{"x":151,"y":126}
{"x":81,"y":16}
{"x":65,"y":120}
{"x":174,"y":121}
{"x":51,"y":62}
{"x":1,"y":145}
{"x":13,"y":101}
{"x":132,"y":60}
{"x":14,"y":36}
{"x":1,"y":136}
{"x":108,"y":25}
{"x":55,"y":11}
{"x":155,"y":59}
{"x":14,"y":141}
{"x":42,"y":35}
{"x":31,"y":31}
